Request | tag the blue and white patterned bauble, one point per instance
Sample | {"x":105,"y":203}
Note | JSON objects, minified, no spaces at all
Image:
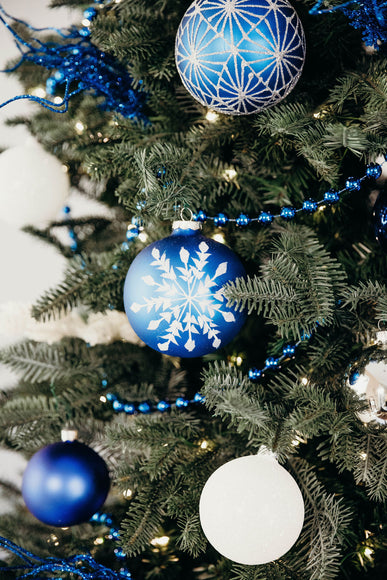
{"x":65,"y":483}
{"x":173,"y":293}
{"x":240,"y":56}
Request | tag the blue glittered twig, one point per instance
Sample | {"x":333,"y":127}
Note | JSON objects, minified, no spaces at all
{"x":82,"y":565}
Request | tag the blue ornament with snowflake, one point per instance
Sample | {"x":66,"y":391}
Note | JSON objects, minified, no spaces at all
{"x":173,"y":293}
{"x":240,"y":56}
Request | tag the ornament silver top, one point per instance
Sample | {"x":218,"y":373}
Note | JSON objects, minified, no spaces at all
{"x":186,"y":225}
{"x":69,"y":435}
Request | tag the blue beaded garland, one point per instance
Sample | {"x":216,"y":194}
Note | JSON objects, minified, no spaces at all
{"x":288,"y":213}
{"x":331,"y":196}
{"x":199,"y":217}
{"x":265,"y":218}
{"x":353,"y":184}
{"x":309,"y":205}
{"x":243,"y":220}
{"x":254,"y":374}
{"x":240,"y":57}
{"x":220,"y":220}
{"x":373,"y":170}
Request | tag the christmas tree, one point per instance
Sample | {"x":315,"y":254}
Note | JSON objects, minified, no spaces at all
{"x":286,"y":179}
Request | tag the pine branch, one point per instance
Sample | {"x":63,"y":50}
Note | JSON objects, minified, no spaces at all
{"x":63,"y":298}
{"x":298,"y":287}
{"x":39,"y":362}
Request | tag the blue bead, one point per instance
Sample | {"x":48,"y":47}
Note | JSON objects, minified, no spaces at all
{"x":288,"y":213}
{"x":163,"y":282}
{"x":111,"y":306}
{"x":89,"y":13}
{"x":120,"y":554}
{"x":111,"y":397}
{"x":124,"y":246}
{"x":200,"y":216}
{"x":85,"y":32}
{"x":374,"y":170}
{"x":51,"y":85}
{"x":114,"y":267}
{"x":353,"y":184}
{"x":198,"y":398}
{"x":65,"y":483}
{"x":132,"y":232}
{"x":104,"y":383}
{"x":254,"y":374}
{"x":140,"y":205}
{"x":66,"y":209}
{"x":118,"y":407}
{"x":331,"y":196}
{"x":243,"y":220}
{"x":95,"y":517}
{"x":59,"y":76}
{"x":114,"y":533}
{"x":74,"y":246}
{"x":265,"y":217}
{"x":271,"y":362}
{"x":129,"y":408}
{"x":144,"y":407}
{"x":109,"y":521}
{"x":163,"y":406}
{"x":72,"y":234}
{"x":289,"y":350}
{"x":181,"y":402}
{"x":161,"y":172}
{"x":137,"y":221}
{"x":309,"y":205}
{"x":232,"y":68}
{"x":220,"y":220}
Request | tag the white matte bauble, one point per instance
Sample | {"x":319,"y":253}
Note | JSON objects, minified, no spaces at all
{"x":251,"y":509}
{"x":34,"y":185}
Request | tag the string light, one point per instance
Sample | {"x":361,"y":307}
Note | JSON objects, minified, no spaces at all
{"x":212,"y":117}
{"x":79,"y":127}
{"x":160,"y":542}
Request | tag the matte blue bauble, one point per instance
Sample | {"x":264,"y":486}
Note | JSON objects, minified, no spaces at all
{"x":173,"y":297}
{"x":380,"y":219}
{"x":65,"y":483}
{"x":240,"y":56}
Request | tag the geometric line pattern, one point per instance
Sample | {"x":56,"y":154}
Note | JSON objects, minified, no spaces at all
{"x":240,"y":56}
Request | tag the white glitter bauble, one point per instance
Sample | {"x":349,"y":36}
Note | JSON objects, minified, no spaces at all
{"x":34,"y":185}
{"x":240,"y":56}
{"x":251,"y":510}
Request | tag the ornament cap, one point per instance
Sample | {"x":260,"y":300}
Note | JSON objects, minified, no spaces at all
{"x":69,"y":435}
{"x":186,"y":225}
{"x":264,"y":451}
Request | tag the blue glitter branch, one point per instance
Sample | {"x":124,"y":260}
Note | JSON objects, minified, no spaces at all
{"x":77,"y":65}
{"x":82,"y":566}
{"x":369,"y":16}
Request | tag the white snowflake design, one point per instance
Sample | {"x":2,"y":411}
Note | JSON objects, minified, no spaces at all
{"x":186,"y":299}
{"x":240,"y":56}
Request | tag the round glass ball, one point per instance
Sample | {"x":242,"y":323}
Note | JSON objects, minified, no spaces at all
{"x":240,"y":56}
{"x":65,"y":483}
{"x":251,"y":510}
{"x":173,"y":293}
